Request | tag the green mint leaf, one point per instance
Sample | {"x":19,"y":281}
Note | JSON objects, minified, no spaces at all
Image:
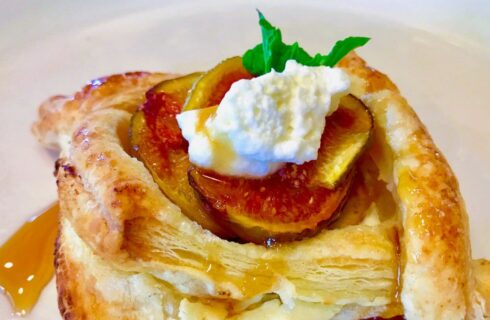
{"x":253,"y":60}
{"x":292,"y":52}
{"x":339,"y":50}
{"x":271,"y":42}
{"x":273,"y":53}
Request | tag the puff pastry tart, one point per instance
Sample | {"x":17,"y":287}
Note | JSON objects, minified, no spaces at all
{"x":146,"y":233}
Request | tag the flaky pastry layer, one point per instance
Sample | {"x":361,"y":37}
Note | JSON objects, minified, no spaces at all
{"x":125,"y":228}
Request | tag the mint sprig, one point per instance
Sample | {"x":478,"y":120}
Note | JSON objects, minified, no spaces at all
{"x":273,"y":53}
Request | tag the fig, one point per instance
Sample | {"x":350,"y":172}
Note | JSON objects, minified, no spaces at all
{"x":281,"y":207}
{"x":346,"y":135}
{"x":178,"y":87}
{"x":157,"y":141}
{"x":298,"y":199}
{"x":212,"y":86}
{"x":294,"y":202}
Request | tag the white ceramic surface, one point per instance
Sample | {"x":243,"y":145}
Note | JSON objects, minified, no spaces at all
{"x":437,"y":52}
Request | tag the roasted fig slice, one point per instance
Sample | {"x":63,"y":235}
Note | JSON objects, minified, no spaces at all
{"x":179,"y":87}
{"x":346,"y":135}
{"x":297,"y":199}
{"x":156,"y":140}
{"x":212,"y":86}
{"x":280,"y":207}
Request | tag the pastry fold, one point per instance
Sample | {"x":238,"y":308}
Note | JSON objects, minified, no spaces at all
{"x":140,"y":257}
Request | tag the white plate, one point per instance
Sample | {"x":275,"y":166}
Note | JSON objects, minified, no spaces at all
{"x":437,"y":53}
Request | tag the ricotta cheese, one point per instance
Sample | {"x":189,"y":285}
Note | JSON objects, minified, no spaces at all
{"x":265,"y":122}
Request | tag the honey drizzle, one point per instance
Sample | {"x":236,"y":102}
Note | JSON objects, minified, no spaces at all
{"x":257,"y":279}
{"x":222,"y":150}
{"x":26,"y":260}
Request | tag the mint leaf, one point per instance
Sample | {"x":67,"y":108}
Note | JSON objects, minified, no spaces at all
{"x":272,"y":43}
{"x":253,"y":60}
{"x":271,"y":37}
{"x":292,"y":52}
{"x":269,"y":54}
{"x":273,"y":53}
{"x":339,"y":50}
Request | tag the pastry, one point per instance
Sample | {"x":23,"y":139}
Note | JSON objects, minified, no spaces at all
{"x":395,"y":242}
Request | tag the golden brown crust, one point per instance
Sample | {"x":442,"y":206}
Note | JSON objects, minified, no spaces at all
{"x":436,"y":282}
{"x":59,"y":114}
{"x":114,"y":206}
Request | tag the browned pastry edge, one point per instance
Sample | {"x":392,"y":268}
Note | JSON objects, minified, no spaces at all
{"x":58,"y":114}
{"x":436,"y":266}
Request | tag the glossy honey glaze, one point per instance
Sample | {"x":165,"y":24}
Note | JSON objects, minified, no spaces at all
{"x":26,"y":260}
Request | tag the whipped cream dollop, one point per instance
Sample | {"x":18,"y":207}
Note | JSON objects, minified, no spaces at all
{"x":265,"y":122}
